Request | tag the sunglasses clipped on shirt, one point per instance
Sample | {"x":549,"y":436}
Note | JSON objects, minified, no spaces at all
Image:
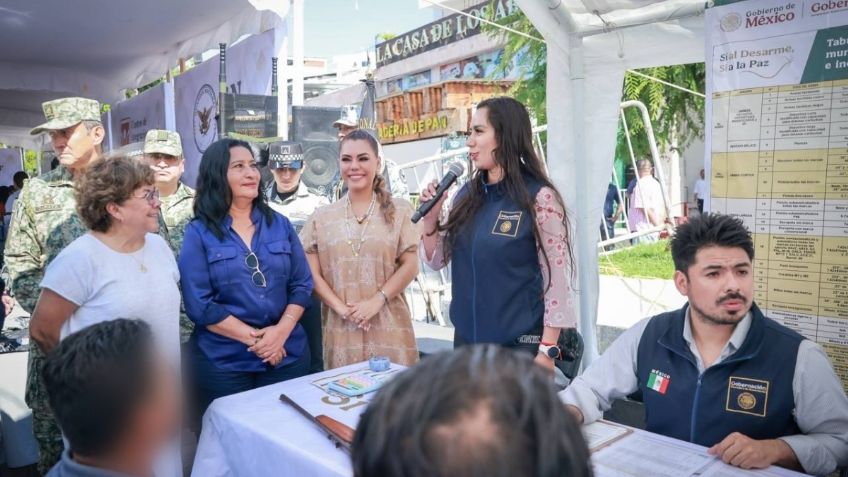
{"x":252,"y":263}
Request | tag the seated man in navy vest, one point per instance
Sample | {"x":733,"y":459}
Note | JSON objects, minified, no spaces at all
{"x":718,"y":372}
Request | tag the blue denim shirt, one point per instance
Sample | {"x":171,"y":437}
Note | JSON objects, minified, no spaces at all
{"x":216,"y":283}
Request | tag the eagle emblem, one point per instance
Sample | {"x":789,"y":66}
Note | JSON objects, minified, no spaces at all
{"x":205,"y":128}
{"x":203,"y":115}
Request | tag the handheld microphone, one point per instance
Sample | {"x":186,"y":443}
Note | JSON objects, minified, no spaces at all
{"x":454,"y":171}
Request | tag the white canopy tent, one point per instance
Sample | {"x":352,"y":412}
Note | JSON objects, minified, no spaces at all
{"x":590,"y":45}
{"x":93,"y":48}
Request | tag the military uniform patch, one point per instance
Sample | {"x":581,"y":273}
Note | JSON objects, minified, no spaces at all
{"x":46,"y":207}
{"x":747,"y":396}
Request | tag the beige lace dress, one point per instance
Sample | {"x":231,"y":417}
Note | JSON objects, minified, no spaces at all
{"x":358,"y":277}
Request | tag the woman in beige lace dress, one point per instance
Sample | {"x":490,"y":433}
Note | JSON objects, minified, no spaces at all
{"x":362,"y":250}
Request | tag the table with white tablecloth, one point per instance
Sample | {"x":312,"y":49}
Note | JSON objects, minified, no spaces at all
{"x":254,"y":434}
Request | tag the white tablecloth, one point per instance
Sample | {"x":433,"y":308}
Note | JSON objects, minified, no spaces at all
{"x":254,"y":434}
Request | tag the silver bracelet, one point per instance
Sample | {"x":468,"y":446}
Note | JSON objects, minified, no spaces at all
{"x":385,"y":297}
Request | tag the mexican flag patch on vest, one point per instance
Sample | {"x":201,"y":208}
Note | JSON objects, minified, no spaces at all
{"x":658,"y":381}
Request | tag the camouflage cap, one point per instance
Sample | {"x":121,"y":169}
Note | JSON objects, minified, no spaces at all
{"x":163,"y":142}
{"x":281,"y":154}
{"x":66,"y":112}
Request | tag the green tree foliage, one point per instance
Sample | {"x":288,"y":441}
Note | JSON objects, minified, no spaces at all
{"x":31,"y":163}
{"x":677,"y":116}
{"x":531,"y":56}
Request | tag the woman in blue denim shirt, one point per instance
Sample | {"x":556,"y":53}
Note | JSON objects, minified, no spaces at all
{"x":245,"y":281}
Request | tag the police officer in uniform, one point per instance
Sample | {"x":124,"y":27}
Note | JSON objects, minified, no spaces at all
{"x":290,"y":197}
{"x":163,"y":150}
{"x":719,"y":373}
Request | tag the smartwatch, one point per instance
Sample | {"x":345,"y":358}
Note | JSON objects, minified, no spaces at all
{"x":551,"y":351}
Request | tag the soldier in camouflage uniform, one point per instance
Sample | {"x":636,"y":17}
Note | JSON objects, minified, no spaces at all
{"x":163,"y":150}
{"x":395,"y":179}
{"x":290,"y":197}
{"x":44,"y":222}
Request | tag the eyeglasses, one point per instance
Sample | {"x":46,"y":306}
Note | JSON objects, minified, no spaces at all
{"x":151,"y":197}
{"x":252,"y":263}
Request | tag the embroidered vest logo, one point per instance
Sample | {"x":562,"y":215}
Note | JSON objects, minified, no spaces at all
{"x":747,"y":396}
{"x":507,"y":223}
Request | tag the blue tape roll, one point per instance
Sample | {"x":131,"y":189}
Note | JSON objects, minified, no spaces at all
{"x":379,"y":363}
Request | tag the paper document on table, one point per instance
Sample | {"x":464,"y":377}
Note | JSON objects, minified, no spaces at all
{"x":639,"y":455}
{"x":720,"y":469}
{"x":601,"y":433}
{"x":316,"y":397}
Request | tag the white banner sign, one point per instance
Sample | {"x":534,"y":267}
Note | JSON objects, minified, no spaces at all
{"x":777,"y":136}
{"x":10,"y":163}
{"x":131,"y":119}
{"x":196,"y":94}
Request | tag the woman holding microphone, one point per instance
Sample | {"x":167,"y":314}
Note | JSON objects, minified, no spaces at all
{"x":507,"y":240}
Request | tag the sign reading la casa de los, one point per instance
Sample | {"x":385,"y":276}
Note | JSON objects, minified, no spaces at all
{"x":442,"y":32}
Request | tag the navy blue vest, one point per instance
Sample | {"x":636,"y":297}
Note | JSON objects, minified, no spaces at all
{"x":749,"y":392}
{"x":496,"y":278}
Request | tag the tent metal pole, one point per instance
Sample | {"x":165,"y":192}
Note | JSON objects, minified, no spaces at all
{"x":584,"y":221}
{"x":297,"y":52}
{"x":652,"y":142}
{"x":632,"y":158}
{"x":620,"y":196}
{"x":283,"y":89}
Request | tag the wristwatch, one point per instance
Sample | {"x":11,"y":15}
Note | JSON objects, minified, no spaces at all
{"x":551,"y":351}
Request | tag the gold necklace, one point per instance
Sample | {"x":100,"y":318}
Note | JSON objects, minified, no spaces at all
{"x":140,"y":263}
{"x":356,"y":248}
{"x":367,"y":214}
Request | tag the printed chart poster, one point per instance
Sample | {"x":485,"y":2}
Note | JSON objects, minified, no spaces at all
{"x":777,"y":77}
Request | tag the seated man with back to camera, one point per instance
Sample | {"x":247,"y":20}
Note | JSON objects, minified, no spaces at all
{"x":717,"y":372}
{"x":480,"y":410}
{"x":114,"y":426}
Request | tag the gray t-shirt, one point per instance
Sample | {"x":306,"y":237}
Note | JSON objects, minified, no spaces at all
{"x":67,"y":467}
{"x":107,"y":285}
